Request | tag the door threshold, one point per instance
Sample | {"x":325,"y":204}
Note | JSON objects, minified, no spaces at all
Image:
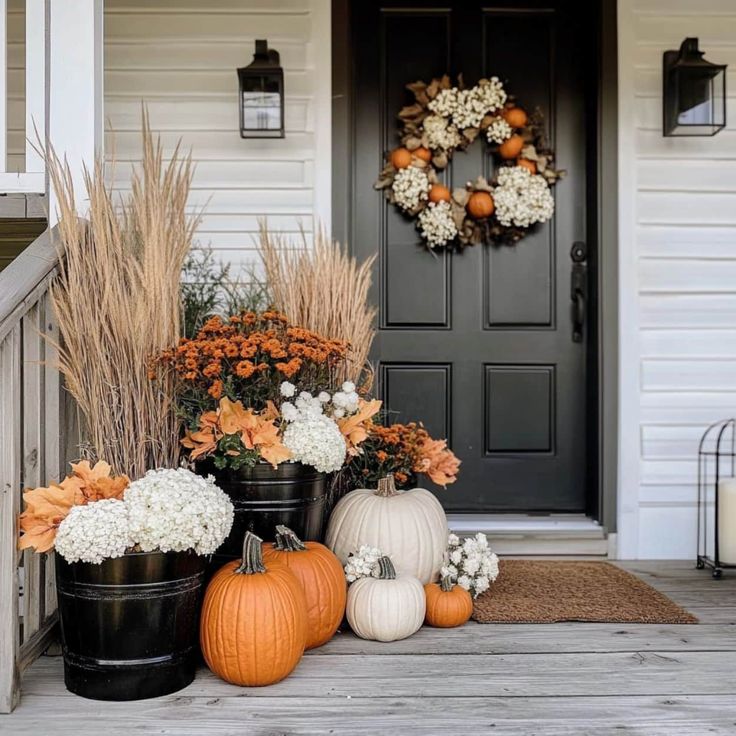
{"x":531,"y":534}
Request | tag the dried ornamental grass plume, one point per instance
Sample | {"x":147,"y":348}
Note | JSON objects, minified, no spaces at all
{"x":324,"y":289}
{"x":117,"y":300}
{"x":176,"y":510}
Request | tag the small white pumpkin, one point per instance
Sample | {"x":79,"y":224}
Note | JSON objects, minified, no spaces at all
{"x":409,"y":526}
{"x":386,"y":608}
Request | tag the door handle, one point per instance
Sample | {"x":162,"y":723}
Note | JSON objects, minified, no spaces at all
{"x":578,"y":289}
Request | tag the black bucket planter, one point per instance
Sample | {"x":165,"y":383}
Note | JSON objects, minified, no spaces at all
{"x":130,"y":625}
{"x":292,"y":494}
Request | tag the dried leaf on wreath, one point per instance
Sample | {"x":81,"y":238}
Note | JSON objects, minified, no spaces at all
{"x":470,"y":134}
{"x":417,"y":88}
{"x":433,"y":89}
{"x":411,"y":112}
{"x":439,"y":160}
{"x":460,"y":81}
{"x":480,"y":185}
{"x":460,"y":196}
{"x":412,"y":143}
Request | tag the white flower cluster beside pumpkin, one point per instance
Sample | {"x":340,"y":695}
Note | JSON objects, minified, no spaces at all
{"x":410,"y":187}
{"x":436,"y":224}
{"x":522,"y":198}
{"x":471,"y":563}
{"x":167,"y":510}
{"x":363,"y":563}
{"x":441,"y":134}
{"x":313,"y":435}
{"x":466,"y":108}
{"x":499,"y":131}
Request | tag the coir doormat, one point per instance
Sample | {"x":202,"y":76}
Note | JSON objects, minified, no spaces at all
{"x":546,"y":591}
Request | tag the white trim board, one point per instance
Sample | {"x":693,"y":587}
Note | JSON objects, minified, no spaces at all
{"x":521,"y":534}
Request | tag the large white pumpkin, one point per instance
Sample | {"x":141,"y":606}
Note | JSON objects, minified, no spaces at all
{"x":386,"y":608}
{"x":408,"y":526}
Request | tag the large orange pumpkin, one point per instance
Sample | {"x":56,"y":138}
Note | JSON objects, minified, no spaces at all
{"x":511,"y":147}
{"x":253,"y":628}
{"x":400,"y":158}
{"x":480,"y":205}
{"x":448,"y":605}
{"x":322,"y":577}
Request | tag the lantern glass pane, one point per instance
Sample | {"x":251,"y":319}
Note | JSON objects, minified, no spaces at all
{"x":700,"y":102}
{"x":261,"y":103}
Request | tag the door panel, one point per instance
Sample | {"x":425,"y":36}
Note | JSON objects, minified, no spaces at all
{"x":478,"y":344}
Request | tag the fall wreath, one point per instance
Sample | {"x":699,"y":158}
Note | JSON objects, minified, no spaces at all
{"x":446,"y":118}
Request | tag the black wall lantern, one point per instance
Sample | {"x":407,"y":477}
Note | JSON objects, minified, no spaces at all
{"x":694,"y":92}
{"x":262,"y":95}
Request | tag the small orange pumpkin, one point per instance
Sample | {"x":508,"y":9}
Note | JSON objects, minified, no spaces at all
{"x":448,"y":605}
{"x":439,"y":193}
{"x":321,"y":576}
{"x":525,"y":163}
{"x":511,"y":147}
{"x":254,"y":620}
{"x":423,"y":153}
{"x":515,"y":117}
{"x":400,"y":158}
{"x":480,"y":205}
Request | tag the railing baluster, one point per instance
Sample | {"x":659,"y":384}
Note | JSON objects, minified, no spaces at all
{"x":10,"y":470}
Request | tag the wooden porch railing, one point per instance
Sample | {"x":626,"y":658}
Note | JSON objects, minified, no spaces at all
{"x":31,"y":454}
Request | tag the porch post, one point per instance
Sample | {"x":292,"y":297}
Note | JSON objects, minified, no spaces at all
{"x":75,"y":89}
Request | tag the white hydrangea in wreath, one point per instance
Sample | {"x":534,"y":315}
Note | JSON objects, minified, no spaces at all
{"x":445,"y":118}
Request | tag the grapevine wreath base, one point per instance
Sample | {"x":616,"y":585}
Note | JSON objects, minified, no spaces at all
{"x":446,"y":118}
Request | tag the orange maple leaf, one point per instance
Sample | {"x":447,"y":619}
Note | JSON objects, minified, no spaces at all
{"x":438,"y":462}
{"x":355,"y":428}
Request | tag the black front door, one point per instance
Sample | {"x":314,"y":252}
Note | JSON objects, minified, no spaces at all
{"x":479,"y":344}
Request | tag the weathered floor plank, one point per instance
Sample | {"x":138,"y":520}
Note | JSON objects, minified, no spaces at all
{"x":551,"y":680}
{"x":256,"y":716}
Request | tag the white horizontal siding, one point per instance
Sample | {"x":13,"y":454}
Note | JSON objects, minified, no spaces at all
{"x":180,"y":58}
{"x":678,"y":277}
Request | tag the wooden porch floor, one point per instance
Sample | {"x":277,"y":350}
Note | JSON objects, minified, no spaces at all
{"x":481,"y":679}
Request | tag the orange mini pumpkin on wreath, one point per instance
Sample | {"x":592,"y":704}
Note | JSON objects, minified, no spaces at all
{"x":445,"y":118}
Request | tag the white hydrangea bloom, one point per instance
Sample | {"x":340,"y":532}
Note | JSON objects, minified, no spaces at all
{"x":471,"y":563}
{"x":324,"y":397}
{"x":436,"y":224}
{"x":348,"y":387}
{"x":287,"y":389}
{"x":522,"y":199}
{"x":95,"y":532}
{"x":499,"y":131}
{"x":490,"y":94}
{"x":445,"y":103}
{"x":363,"y":563}
{"x":410,"y":187}
{"x":289,"y":412}
{"x":316,"y":440}
{"x":440,"y":133}
{"x":177,"y":510}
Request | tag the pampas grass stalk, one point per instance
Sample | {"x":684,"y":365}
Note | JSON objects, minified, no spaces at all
{"x":324,"y":289}
{"x":117,"y":301}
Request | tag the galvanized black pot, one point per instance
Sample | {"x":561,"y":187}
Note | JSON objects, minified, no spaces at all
{"x":130,"y":626}
{"x":292,"y":494}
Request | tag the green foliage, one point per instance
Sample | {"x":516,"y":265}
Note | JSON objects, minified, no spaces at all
{"x":207,"y":289}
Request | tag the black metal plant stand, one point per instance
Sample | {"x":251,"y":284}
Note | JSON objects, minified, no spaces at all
{"x":716,"y":460}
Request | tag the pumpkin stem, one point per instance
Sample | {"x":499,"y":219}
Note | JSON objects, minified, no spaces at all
{"x":252,"y":561}
{"x":446,"y":583}
{"x":287,"y":541}
{"x":386,"y":486}
{"x":386,"y":569}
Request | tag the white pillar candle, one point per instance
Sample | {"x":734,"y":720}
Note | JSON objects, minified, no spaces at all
{"x":727,"y":521}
